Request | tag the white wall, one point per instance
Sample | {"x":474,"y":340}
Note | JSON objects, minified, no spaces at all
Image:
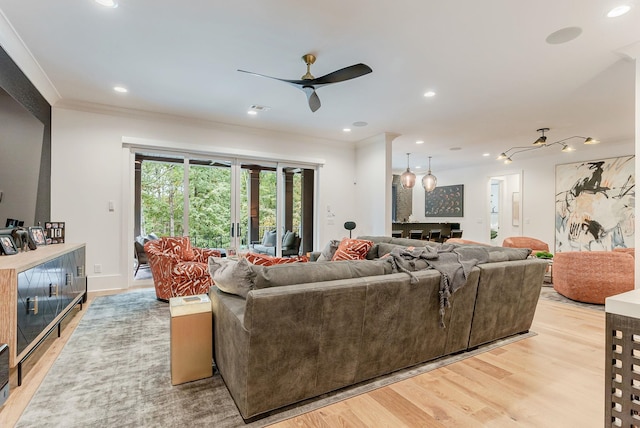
{"x":537,"y":196}
{"x":89,"y":169}
{"x":373,"y":180}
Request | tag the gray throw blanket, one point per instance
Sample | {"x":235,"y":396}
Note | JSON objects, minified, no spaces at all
{"x":454,"y":264}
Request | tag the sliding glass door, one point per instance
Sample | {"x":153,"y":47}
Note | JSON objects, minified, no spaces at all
{"x":221,"y":203}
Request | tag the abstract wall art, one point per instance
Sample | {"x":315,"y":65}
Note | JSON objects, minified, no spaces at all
{"x":445,"y":201}
{"x":595,"y":203}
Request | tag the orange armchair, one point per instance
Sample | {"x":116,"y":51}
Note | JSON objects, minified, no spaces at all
{"x":178,"y":269}
{"x":592,"y":276}
{"x":526,"y":242}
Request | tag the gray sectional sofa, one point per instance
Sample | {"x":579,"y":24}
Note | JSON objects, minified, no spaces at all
{"x":297,"y":335}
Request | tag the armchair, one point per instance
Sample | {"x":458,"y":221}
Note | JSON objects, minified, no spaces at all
{"x":526,"y":242}
{"x":178,"y":269}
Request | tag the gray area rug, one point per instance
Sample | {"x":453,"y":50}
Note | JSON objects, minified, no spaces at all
{"x":548,"y":293}
{"x":115,"y":372}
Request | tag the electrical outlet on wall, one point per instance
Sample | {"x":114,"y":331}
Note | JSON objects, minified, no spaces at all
{"x":97,"y":268}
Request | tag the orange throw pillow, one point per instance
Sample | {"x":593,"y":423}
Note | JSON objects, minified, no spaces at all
{"x":352,"y":249}
{"x":266,"y":260}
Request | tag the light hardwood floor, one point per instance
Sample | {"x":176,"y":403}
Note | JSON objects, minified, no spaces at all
{"x":554,"y":379}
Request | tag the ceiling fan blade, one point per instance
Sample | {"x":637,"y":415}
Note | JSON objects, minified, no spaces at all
{"x":312,"y":97}
{"x":341,"y":75}
{"x":294,"y":82}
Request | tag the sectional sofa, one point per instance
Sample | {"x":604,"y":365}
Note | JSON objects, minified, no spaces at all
{"x":310,"y":328}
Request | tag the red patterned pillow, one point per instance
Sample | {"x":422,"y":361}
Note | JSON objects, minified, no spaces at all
{"x":352,"y":249}
{"x":266,"y":260}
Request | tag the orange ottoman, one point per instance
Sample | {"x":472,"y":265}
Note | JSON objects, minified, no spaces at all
{"x":592,"y":276}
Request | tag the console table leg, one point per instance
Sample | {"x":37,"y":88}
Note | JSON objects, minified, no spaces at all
{"x":20,"y":373}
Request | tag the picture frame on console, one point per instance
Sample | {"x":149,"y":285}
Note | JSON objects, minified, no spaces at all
{"x":37,"y":235}
{"x":8,"y":245}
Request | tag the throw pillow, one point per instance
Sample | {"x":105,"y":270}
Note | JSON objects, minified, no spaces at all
{"x":329,"y":250}
{"x":269,"y":238}
{"x":266,"y":260}
{"x":231,"y":276}
{"x":352,"y":249}
{"x":288,"y":240}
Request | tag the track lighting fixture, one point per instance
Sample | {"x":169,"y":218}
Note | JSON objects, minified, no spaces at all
{"x":540,"y":143}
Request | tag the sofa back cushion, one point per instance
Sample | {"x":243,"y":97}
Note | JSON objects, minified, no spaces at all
{"x":303,"y":273}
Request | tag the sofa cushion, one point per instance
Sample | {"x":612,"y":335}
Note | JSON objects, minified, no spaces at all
{"x":386,"y":248}
{"x":352,"y":249}
{"x":303,"y":273}
{"x":231,"y":276}
{"x":267,"y":260}
{"x":498,"y":254}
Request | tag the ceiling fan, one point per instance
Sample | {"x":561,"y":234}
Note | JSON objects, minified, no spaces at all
{"x":309,"y":83}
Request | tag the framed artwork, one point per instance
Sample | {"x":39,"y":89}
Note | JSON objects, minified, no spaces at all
{"x":37,"y":236}
{"x":594,"y":205}
{"x":8,"y":244}
{"x":54,"y":232}
{"x":515,"y":209}
{"x":445,"y":201}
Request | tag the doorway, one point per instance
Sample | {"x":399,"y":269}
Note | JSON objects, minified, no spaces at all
{"x":505,"y":213}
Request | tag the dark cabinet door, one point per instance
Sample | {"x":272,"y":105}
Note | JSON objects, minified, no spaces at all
{"x":45,"y":291}
{"x":34,"y":304}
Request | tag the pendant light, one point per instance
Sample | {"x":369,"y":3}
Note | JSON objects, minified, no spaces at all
{"x":429,"y":181}
{"x":408,"y":178}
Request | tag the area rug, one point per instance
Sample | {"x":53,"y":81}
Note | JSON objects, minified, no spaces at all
{"x":548,"y":293}
{"x":115,"y":372}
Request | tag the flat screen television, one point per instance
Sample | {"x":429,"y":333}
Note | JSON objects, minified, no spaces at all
{"x":21,"y":142}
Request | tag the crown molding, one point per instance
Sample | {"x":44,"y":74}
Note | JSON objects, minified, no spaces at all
{"x":15,"y":47}
{"x":129,"y":113}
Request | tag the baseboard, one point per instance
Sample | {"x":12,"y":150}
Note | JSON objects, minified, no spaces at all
{"x":105,"y":283}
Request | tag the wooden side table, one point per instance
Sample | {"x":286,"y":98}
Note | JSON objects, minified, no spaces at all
{"x":622,"y":397}
{"x":191,"y":338}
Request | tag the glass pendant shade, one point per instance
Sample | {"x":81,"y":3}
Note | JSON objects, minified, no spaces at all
{"x":429,"y":182}
{"x":408,"y":178}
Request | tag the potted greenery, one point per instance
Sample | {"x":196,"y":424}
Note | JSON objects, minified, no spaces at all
{"x":544,"y":255}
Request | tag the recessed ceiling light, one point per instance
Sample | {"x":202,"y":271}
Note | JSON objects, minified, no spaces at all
{"x":346,"y":129}
{"x":486,"y":154}
{"x":252,"y":113}
{"x":429,"y":94}
{"x":417,"y":167}
{"x":455,"y":149}
{"x":618,"y":11}
{"x":419,"y":142}
{"x":107,"y":3}
{"x":120,"y":89}
{"x":360,"y":123}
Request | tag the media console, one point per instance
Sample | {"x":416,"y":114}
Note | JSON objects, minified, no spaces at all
{"x":38,"y":289}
